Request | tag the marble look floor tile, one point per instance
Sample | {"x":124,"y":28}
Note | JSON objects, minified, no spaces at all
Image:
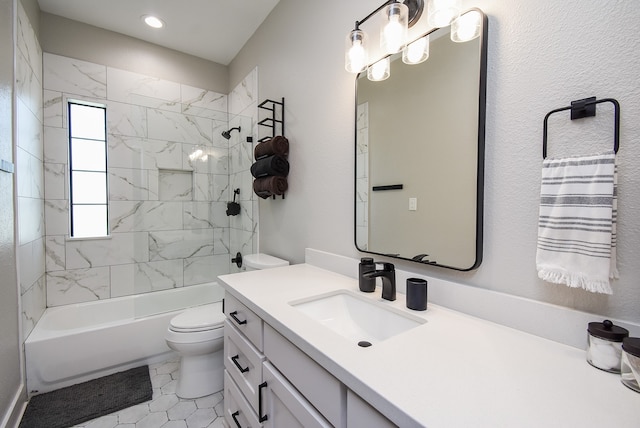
{"x":166,"y":410}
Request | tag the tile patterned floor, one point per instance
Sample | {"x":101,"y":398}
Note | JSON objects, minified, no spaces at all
{"x":166,"y":410}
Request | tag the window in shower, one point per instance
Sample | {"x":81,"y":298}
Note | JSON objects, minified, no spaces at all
{"x":88,"y":170}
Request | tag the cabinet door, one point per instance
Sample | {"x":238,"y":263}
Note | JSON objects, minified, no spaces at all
{"x":283,"y":406}
{"x":318,"y":386}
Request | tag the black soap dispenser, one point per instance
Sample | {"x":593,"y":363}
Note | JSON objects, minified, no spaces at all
{"x":367,"y":265}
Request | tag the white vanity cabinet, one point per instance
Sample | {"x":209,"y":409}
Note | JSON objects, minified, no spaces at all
{"x":257,"y":394}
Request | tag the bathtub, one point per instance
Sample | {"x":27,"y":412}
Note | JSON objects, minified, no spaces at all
{"x":75,"y":343}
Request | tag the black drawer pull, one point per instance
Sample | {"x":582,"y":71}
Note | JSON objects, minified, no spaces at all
{"x":236,"y":319}
{"x":261,"y":417}
{"x":235,"y":361}
{"x":233,"y":415}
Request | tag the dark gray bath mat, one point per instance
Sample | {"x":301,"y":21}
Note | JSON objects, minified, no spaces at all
{"x":88,"y":400}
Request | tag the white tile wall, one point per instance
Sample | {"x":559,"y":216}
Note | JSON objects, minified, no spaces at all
{"x":167,"y":213}
{"x":80,"y":78}
{"x":77,"y":285}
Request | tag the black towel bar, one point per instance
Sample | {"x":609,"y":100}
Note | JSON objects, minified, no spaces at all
{"x":387,"y":187}
{"x":585,"y":108}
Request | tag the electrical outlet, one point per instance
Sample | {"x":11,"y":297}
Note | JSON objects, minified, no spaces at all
{"x":413,"y":204}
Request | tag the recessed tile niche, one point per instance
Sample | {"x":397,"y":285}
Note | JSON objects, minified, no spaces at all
{"x":174,"y":185}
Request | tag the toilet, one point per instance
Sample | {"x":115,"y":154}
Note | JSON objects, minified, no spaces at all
{"x":197,"y":334}
{"x":261,"y":261}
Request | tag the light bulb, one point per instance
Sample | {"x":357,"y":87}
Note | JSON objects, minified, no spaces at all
{"x":356,"y":57}
{"x":416,"y":52}
{"x":466,"y":27}
{"x":393,"y":35}
{"x":379,"y":71}
{"x":442,"y":12}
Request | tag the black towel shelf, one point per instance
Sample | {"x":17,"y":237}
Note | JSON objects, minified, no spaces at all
{"x":585,"y":108}
{"x":272,"y":122}
{"x":275,"y":121}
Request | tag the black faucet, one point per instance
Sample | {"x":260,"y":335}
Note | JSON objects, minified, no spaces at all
{"x":388,"y":275}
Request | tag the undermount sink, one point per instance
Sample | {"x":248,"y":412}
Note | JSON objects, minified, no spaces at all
{"x":357,"y":317}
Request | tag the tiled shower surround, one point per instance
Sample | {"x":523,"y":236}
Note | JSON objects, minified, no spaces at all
{"x":29,"y":173}
{"x":166,"y":208}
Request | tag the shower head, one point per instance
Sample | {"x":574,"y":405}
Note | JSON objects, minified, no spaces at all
{"x":227,"y":134}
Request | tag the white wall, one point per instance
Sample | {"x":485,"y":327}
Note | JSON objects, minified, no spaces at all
{"x":542,"y":55}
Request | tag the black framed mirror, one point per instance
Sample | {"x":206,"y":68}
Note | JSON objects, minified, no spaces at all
{"x":419,"y":146}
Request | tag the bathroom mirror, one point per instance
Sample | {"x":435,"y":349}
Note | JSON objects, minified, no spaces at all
{"x":420,"y":156}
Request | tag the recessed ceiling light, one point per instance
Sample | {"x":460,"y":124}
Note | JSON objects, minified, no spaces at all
{"x":153,"y":21}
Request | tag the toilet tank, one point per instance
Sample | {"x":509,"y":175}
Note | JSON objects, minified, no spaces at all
{"x":261,"y":261}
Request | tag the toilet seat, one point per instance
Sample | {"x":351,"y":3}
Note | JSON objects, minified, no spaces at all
{"x":197,"y":319}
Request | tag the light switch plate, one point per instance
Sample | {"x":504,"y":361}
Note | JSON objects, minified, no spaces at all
{"x":413,"y":204}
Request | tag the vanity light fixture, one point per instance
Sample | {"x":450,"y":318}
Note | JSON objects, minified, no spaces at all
{"x":152,"y":21}
{"x":399,"y":15}
{"x":466,"y":27}
{"x":379,"y":70}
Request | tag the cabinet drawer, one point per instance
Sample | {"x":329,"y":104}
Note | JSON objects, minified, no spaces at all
{"x":243,"y":362}
{"x":244,"y":319}
{"x":284,"y":406}
{"x":237,"y":412}
{"x":319,"y":386}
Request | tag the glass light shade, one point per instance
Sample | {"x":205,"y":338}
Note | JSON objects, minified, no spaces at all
{"x":466,"y":27}
{"x":416,"y":52}
{"x":356,"y":57}
{"x":380,"y":70}
{"x":441,"y":13}
{"x":393,"y":34}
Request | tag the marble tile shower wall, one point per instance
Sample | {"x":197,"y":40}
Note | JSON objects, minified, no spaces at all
{"x":167,"y":212}
{"x":29,"y":173}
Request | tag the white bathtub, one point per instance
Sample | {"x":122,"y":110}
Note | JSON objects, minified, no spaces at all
{"x":75,"y":343}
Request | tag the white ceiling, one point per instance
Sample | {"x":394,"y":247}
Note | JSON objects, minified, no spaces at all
{"x":212,"y":29}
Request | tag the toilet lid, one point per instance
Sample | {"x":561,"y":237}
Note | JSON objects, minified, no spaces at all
{"x":200,"y":318}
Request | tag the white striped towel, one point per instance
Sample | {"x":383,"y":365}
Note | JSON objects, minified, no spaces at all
{"x":577,"y":224}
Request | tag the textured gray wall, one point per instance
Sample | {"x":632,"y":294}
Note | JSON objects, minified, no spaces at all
{"x":542,"y":55}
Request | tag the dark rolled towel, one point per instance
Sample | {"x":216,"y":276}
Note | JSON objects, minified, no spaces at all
{"x":272,"y":165}
{"x":277,"y":145}
{"x":270,"y":186}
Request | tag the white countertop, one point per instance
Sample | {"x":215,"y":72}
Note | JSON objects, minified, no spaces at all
{"x":453,"y":371}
